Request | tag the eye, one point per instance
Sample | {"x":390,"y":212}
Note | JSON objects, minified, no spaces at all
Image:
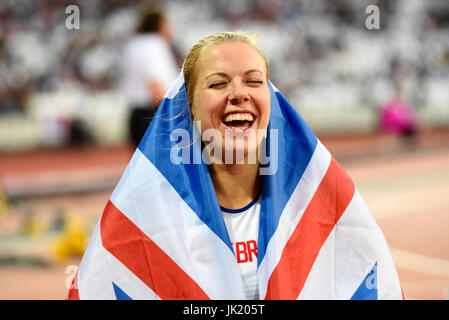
{"x":255,"y":82}
{"x":217,"y":85}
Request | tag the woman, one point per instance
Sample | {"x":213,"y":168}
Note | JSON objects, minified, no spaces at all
{"x":186,"y":222}
{"x":227,"y":87}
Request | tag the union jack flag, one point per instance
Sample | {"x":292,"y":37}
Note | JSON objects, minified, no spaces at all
{"x":162,"y":233}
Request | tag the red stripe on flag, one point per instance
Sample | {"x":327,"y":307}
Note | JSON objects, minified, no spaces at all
{"x":122,"y":238}
{"x":73,"y":291}
{"x":327,"y":205}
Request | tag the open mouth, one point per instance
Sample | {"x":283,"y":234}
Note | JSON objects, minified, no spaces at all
{"x":238,"y":121}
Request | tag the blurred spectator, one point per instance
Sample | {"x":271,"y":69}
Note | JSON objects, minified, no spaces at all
{"x":149,"y":68}
{"x":398,"y":118}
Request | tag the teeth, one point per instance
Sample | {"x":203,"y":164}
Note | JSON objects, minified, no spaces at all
{"x":239,"y":116}
{"x":240,"y":128}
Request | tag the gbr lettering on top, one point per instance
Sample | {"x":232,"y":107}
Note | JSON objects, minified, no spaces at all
{"x":245,"y":251}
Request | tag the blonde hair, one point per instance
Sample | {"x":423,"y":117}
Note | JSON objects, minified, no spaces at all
{"x":190,"y":69}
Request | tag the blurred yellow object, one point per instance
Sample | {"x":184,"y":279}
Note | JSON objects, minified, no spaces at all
{"x":3,"y":204}
{"x":33,"y":227}
{"x":72,"y":240}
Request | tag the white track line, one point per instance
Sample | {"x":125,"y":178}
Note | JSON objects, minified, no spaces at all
{"x":420,"y":263}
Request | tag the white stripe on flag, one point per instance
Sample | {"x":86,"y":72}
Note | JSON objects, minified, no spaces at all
{"x":93,"y":282}
{"x":294,"y":209}
{"x":128,"y":282}
{"x":99,"y":268}
{"x":274,"y":87}
{"x":355,"y":244}
{"x":174,"y":88}
{"x":150,"y":202}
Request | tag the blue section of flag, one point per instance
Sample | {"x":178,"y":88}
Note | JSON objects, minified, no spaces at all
{"x":368,"y":288}
{"x":119,"y":293}
{"x":296,"y":144}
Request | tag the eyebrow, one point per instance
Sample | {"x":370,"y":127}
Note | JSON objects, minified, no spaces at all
{"x":225,"y":75}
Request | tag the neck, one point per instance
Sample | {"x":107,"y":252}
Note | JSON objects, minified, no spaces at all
{"x":236,"y":185}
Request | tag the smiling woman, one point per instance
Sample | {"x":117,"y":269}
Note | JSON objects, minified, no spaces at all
{"x":230,"y":230}
{"x":226,"y":77}
{"x":231,"y":90}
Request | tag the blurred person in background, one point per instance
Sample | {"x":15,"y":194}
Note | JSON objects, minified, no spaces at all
{"x":149,"y":67}
{"x":398,"y":118}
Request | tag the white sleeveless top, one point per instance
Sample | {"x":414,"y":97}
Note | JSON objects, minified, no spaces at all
{"x":243,"y":229}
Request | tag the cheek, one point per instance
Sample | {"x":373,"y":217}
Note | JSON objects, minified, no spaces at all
{"x":264,"y":109}
{"x":206,"y":109}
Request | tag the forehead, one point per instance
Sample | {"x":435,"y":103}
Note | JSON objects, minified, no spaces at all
{"x":230,"y":57}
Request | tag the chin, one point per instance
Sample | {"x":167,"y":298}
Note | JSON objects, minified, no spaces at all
{"x":240,"y":155}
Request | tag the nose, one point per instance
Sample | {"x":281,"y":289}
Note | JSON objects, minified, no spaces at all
{"x":238,"y":94}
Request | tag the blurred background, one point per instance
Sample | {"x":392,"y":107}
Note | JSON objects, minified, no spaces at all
{"x":376,"y":92}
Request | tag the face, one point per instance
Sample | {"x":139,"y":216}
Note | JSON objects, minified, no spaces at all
{"x":165,"y":29}
{"x":231,"y":94}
